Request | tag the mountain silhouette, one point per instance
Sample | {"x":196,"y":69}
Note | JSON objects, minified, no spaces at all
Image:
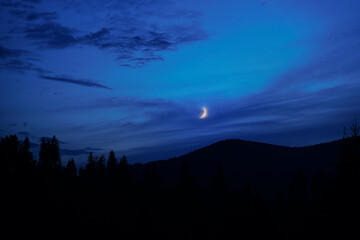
{"x":269,"y":167}
{"x":232,"y":189}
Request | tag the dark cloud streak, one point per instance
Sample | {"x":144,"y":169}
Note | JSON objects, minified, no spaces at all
{"x":129,"y":31}
{"x":48,"y":16}
{"x":18,"y":60}
{"x":80,"y":151}
{"x":133,"y":50}
{"x":86,"y":83}
{"x":51,"y":35}
{"x":16,"y":4}
{"x":9,"y":53}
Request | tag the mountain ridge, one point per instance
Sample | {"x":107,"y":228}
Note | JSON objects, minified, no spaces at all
{"x":264,"y":165}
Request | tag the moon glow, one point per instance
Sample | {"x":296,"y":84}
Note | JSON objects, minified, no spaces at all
{"x":204,"y":114}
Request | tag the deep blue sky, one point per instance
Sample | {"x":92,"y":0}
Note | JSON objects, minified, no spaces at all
{"x":133,"y":75}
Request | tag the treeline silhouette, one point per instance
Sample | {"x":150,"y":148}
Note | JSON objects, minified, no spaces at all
{"x":107,"y":198}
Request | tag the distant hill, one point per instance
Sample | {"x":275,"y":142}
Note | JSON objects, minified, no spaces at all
{"x":268,"y":167}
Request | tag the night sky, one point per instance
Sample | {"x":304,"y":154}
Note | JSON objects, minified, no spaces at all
{"x":134,"y":76}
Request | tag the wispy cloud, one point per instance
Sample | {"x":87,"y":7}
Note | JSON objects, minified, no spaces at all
{"x":79,"y":151}
{"x":130,"y":102}
{"x":294,"y":118}
{"x":49,"y":139}
{"x":47,"y":16}
{"x":16,"y":4}
{"x":334,"y":59}
{"x":130,"y":31}
{"x":18,"y":60}
{"x":131,"y":49}
{"x":33,"y":16}
{"x":51,"y":35}
{"x":33,"y":1}
{"x":6,"y":53}
{"x":82,"y":82}
{"x":24,"y":134}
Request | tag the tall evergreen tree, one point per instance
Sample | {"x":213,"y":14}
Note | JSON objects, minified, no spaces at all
{"x":322,"y":189}
{"x":91,"y":159}
{"x":70,"y":170}
{"x":112,"y":166}
{"x":298,"y":190}
{"x":26,"y":159}
{"x":348,"y":168}
{"x":219,"y":184}
{"x":43,"y":153}
{"x":49,"y":155}
{"x":150,"y":179}
{"x":100,"y":166}
{"x":44,"y":156}
{"x":9,"y":152}
{"x":187,"y":184}
{"x":55,"y":153}
{"x":112,"y":162}
{"x":90,"y":169}
{"x":124,"y":174}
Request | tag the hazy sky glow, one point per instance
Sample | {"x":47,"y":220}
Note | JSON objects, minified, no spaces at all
{"x":133,"y":76}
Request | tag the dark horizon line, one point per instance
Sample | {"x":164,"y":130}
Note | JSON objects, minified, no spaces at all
{"x":36,"y":145}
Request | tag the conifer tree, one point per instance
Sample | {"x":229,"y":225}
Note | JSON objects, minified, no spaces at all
{"x":219,"y":184}
{"x":112,"y":162}
{"x":70,"y":169}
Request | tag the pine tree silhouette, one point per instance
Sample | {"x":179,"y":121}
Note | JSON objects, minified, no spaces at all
{"x":9,"y":154}
{"x":219,"y":184}
{"x":187,"y":184}
{"x":111,"y":163}
{"x":70,"y":170}
{"x":348,"y":169}
{"x":125,"y":179}
{"x":49,"y":156}
{"x":298,"y":194}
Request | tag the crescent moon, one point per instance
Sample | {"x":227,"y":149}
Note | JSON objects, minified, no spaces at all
{"x":204,"y":114}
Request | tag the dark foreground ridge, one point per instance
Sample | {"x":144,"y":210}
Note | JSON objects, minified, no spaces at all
{"x":269,"y":167}
{"x":232,"y":189}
